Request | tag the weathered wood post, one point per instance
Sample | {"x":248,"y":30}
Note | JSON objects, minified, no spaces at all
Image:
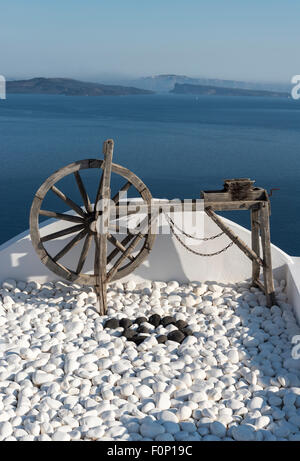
{"x":264,"y":218}
{"x":102,"y":212}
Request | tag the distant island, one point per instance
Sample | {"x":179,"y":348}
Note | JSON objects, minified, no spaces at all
{"x":70,"y":87}
{"x":166,"y":82}
{"x":186,"y":88}
{"x":160,"y":84}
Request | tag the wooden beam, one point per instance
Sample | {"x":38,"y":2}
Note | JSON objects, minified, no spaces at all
{"x":232,"y":206}
{"x":179,"y":206}
{"x":255,"y":243}
{"x":226,"y":196}
{"x":101,"y":236}
{"x":259,"y":285}
{"x":239,"y":242}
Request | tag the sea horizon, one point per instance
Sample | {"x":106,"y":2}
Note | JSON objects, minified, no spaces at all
{"x":178,"y":145}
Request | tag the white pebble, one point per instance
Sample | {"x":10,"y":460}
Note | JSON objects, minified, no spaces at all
{"x":59,"y":436}
{"x":6,"y":429}
{"x":40,"y":377}
{"x":184,"y":412}
{"x":162,"y":400}
{"x":151,"y":430}
{"x":91,"y":421}
{"x":218,"y":429}
{"x":243,"y":433}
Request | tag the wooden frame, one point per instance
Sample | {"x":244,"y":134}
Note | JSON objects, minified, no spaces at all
{"x":237,"y":194}
{"x":257,"y":201}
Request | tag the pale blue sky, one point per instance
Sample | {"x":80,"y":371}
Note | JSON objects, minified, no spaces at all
{"x":91,"y":39}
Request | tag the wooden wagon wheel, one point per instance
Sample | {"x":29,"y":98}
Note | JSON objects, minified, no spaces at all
{"x":84,"y":226}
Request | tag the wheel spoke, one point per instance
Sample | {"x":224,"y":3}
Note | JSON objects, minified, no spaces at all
{"x":83,"y":192}
{"x":99,"y":193}
{"x":119,"y":195}
{"x":145,"y":224}
{"x":124,"y":242}
{"x":55,"y":235}
{"x":68,"y":201}
{"x":118,"y":245}
{"x":97,"y":256}
{"x":84,"y":252}
{"x":124,"y":255}
{"x":70,"y":245}
{"x":64,"y":217}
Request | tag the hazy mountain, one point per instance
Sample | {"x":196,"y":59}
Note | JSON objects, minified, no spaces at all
{"x":179,"y":84}
{"x":165,"y":83}
{"x":69,"y":87}
{"x":222,"y":91}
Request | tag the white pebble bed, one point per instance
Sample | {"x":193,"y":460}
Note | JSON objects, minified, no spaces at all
{"x":64,"y":377}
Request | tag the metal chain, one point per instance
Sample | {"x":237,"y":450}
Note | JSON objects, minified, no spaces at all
{"x":190,"y":249}
{"x":170,"y":220}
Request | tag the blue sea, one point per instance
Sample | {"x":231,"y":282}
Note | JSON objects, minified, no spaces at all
{"x":178,"y":145}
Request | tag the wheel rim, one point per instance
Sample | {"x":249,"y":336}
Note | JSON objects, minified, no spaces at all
{"x":80,"y":224}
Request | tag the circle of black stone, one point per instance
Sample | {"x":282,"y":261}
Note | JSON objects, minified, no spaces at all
{"x":129,"y":334}
{"x":168,"y":320}
{"x":112,"y":323}
{"x":161,"y":339}
{"x":142,"y":329}
{"x":125,"y":323}
{"x":139,"y":339}
{"x":155,"y":320}
{"x":140,"y":320}
{"x":180,"y":324}
{"x":187,"y":331}
{"x":177,"y":336}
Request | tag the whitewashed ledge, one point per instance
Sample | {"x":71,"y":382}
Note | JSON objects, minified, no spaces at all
{"x":168,"y":260}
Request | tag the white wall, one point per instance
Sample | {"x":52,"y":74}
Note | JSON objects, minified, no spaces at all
{"x":168,"y":260}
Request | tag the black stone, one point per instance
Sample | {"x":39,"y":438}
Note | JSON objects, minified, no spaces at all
{"x":187,"y":331}
{"x":125,"y":323}
{"x":142,"y":329}
{"x":180,"y":324}
{"x":140,"y":320}
{"x":168,"y":320}
{"x":129,"y":333}
{"x":139,"y":339}
{"x":112,"y":323}
{"x":133,"y":339}
{"x":161,"y":339}
{"x":176,"y":335}
{"x":155,"y":320}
